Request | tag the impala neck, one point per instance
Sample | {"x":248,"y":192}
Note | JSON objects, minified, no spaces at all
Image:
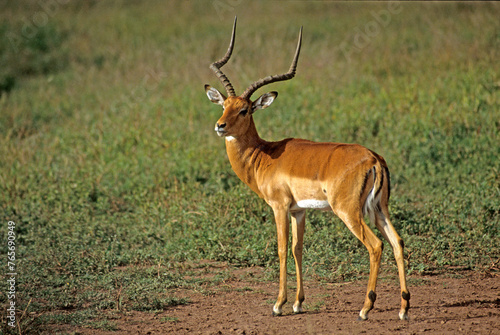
{"x":243,"y":152}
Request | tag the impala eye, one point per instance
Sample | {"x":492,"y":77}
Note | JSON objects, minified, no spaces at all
{"x":243,"y":112}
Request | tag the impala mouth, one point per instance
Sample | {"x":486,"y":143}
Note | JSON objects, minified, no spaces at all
{"x":221,"y":132}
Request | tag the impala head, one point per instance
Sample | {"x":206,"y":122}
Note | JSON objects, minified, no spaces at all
{"x":236,"y":117}
{"x":238,"y":110}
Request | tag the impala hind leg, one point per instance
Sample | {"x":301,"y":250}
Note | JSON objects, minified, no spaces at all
{"x":373,"y":244}
{"x":298,"y":225}
{"x":282,"y":228}
{"x":386,"y":228}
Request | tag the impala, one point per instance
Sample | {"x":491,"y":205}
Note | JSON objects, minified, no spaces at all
{"x":294,"y":175}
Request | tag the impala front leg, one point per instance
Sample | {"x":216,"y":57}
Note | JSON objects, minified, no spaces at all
{"x":282,"y":228}
{"x":298,"y":224}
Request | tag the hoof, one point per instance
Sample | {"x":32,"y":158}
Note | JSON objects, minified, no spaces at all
{"x":403,"y":316}
{"x":276,"y":314}
{"x":360,"y":318}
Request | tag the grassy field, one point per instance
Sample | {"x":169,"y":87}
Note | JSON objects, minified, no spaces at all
{"x":117,"y":183}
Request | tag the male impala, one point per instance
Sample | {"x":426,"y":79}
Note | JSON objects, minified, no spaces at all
{"x":293,"y":175}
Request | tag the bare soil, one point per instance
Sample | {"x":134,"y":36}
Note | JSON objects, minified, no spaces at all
{"x":453,"y":302}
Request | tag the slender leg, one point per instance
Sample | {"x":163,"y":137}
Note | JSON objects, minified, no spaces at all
{"x":282,"y":227}
{"x":298,"y":225}
{"x":360,"y":229}
{"x":385,"y":226}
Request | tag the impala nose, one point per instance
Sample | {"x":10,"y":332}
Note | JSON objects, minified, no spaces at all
{"x":219,"y":128}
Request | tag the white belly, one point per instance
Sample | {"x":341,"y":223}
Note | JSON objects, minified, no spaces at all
{"x":312,"y":204}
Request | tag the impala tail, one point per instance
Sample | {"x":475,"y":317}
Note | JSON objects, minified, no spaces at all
{"x":379,"y":191}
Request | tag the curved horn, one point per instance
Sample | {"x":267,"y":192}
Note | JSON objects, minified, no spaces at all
{"x":220,"y":63}
{"x":279,"y":77}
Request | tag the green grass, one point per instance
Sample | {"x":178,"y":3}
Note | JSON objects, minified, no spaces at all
{"x":116,"y":181}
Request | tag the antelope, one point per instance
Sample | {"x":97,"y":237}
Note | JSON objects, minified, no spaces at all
{"x":294,"y":175}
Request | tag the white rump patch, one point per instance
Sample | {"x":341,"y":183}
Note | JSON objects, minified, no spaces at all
{"x":313,"y":204}
{"x":371,"y":201}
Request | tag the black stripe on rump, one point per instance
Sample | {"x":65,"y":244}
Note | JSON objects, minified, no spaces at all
{"x":388,"y":182}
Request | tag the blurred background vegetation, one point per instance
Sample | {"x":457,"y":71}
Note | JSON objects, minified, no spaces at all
{"x":115,"y":178}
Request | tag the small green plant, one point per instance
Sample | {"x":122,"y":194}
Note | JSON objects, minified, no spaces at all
{"x":316,"y":307}
{"x":169,"y":319}
{"x":41,"y":52}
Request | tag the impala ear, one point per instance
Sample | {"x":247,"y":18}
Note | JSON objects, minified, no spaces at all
{"x":214,"y":95}
{"x":264,"y":101}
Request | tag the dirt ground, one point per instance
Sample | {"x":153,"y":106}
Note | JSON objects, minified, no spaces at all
{"x":455,"y":302}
